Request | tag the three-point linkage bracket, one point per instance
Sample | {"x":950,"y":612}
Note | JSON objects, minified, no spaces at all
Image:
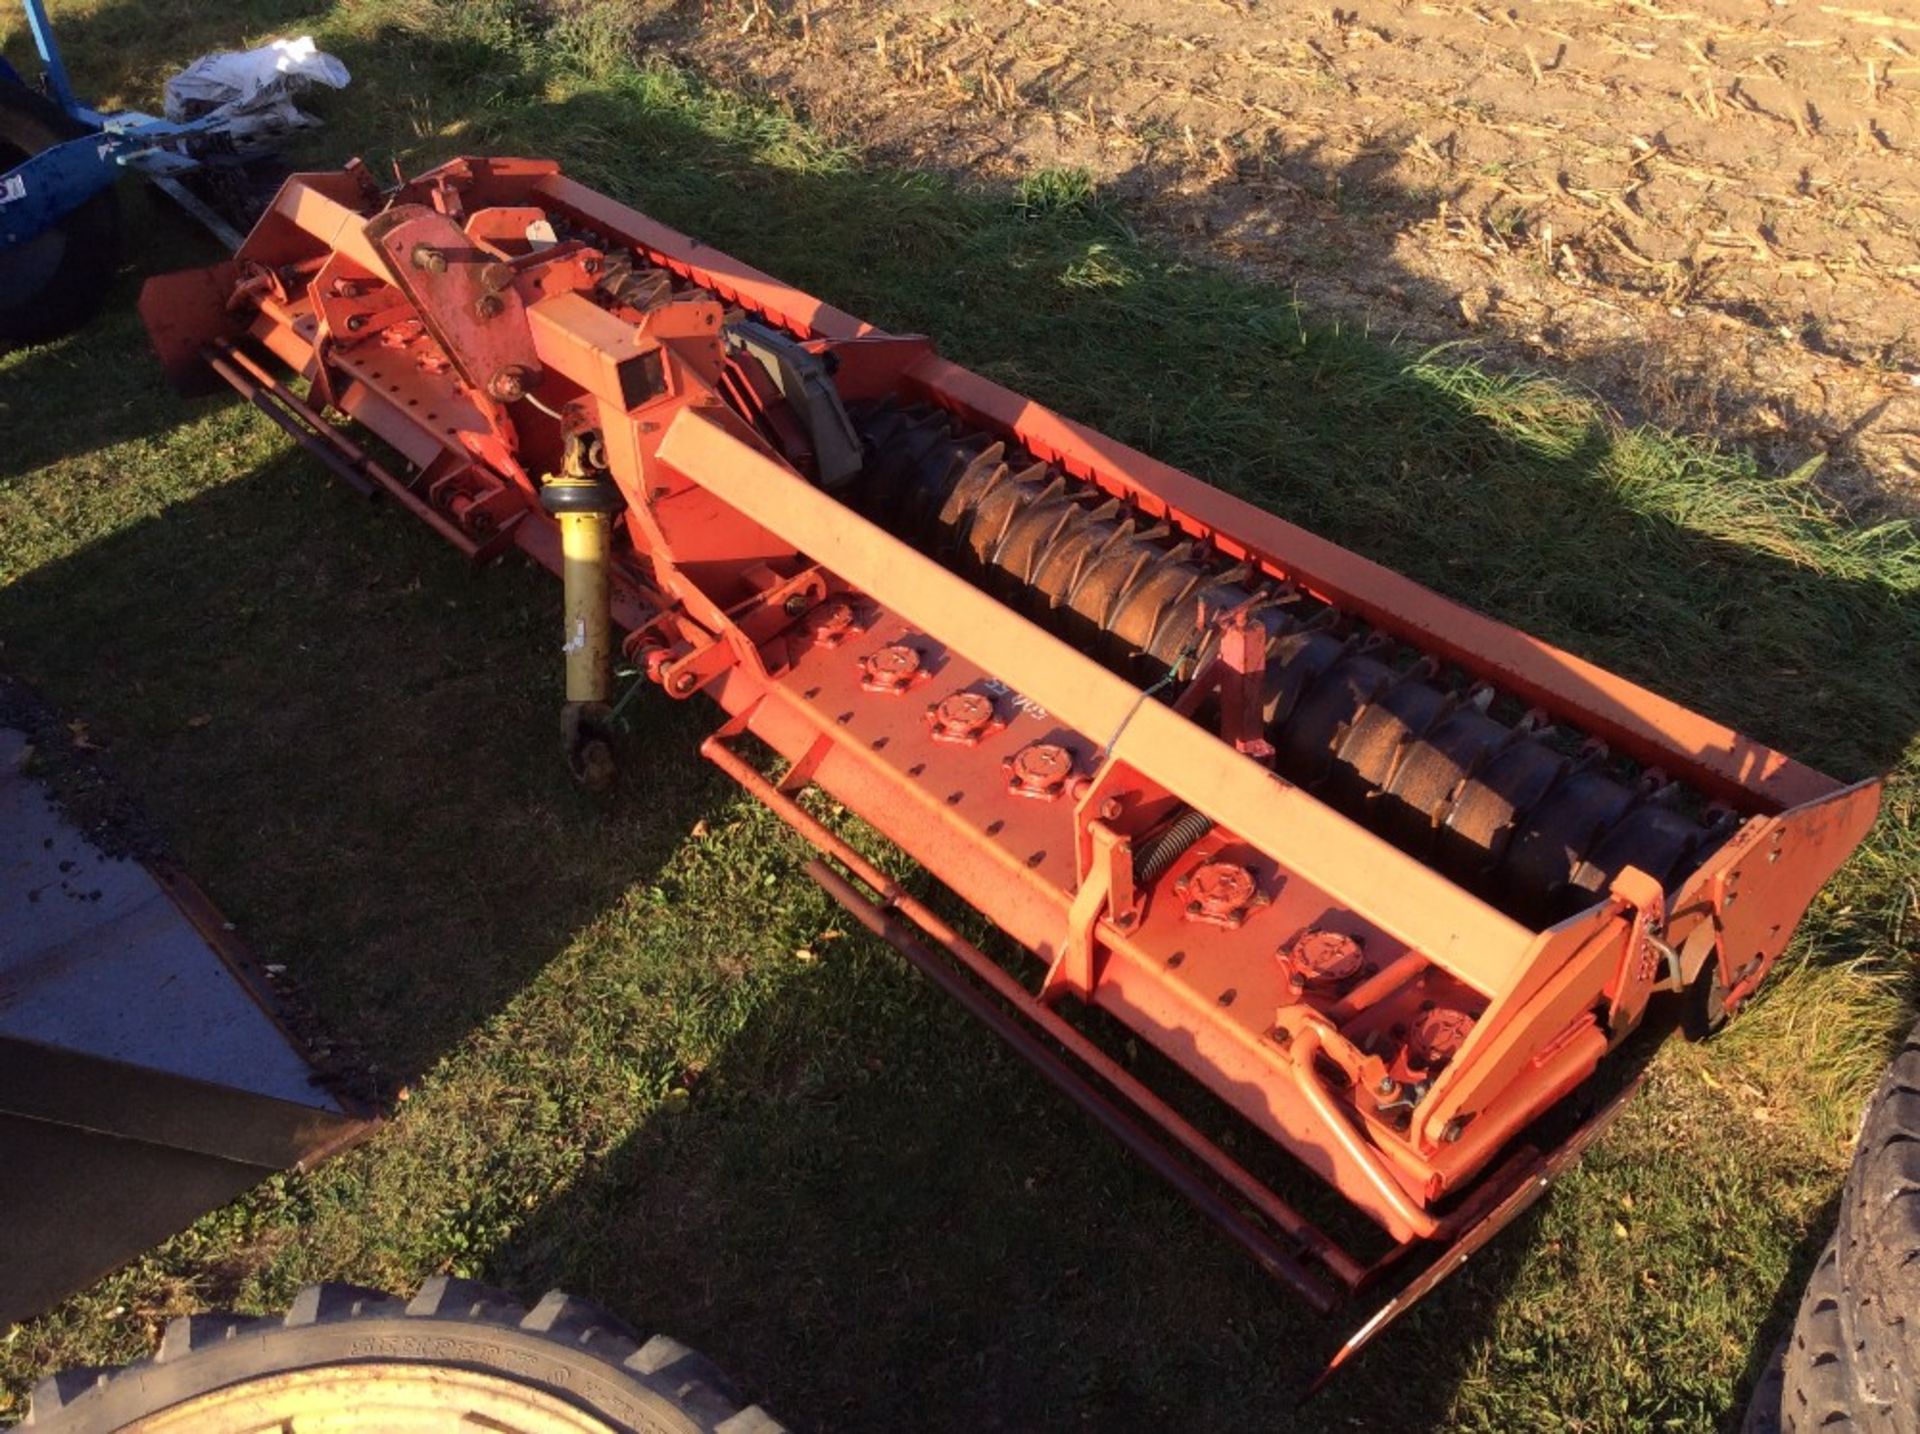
{"x":1236,"y":671}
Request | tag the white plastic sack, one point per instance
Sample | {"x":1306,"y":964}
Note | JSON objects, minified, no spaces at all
{"x":250,"y":91}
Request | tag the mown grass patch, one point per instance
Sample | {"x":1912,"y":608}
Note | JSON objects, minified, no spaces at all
{"x":641,"y":1058}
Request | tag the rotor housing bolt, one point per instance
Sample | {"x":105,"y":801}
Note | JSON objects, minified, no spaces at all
{"x":1322,"y":960}
{"x":829,"y":624}
{"x":1436,"y":1036}
{"x":1039,"y":770}
{"x":962,"y":718}
{"x":893,"y":669}
{"x":488,"y":306}
{"x":1219,"y":893}
{"x":509,"y":385}
{"x":426,"y":257}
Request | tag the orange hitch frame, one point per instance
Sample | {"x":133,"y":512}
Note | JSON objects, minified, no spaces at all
{"x":1388,"y":878}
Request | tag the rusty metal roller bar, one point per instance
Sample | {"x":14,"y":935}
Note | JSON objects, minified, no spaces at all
{"x":1380,"y":736}
{"x":1053,"y":547}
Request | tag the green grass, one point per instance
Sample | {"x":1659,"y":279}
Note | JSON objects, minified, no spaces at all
{"x":642,"y":1061}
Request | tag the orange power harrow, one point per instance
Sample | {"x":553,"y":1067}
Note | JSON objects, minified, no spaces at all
{"x":1388,"y":878}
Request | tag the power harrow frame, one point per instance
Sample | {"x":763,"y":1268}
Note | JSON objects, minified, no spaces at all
{"x":1388,"y":877}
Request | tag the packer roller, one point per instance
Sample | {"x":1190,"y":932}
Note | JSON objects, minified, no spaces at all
{"x":1348,"y":712}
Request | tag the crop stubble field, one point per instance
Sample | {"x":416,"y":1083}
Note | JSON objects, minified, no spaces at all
{"x":1706,"y":212}
{"x":631,"y":1053}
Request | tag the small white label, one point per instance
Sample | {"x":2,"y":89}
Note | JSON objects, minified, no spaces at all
{"x":1020,"y":702}
{"x":11,"y":188}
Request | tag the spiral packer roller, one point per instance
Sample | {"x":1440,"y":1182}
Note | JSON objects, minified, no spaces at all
{"x":1390,"y":879}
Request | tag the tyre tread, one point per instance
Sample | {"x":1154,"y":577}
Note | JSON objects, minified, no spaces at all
{"x":67,"y":1401}
{"x":1877,"y":1240}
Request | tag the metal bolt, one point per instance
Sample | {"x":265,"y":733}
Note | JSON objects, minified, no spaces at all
{"x":1386,"y":1086}
{"x":1039,"y":769}
{"x":795,"y":604}
{"x":1110,"y":809}
{"x":509,"y":385}
{"x":1327,"y":959}
{"x":425,"y":256}
{"x":1437,"y":1035}
{"x":682,"y":684}
{"x":892,"y":669}
{"x":830,"y":623}
{"x":1450,"y":1132}
{"x":488,"y":306}
{"x":962,"y":719}
{"x":1225,"y":892}
{"x":356,"y":322}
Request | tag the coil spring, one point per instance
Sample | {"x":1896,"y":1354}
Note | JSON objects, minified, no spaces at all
{"x":1352,"y":716}
{"x":1159,"y":852}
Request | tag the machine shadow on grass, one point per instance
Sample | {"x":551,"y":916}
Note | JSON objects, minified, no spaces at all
{"x":857,"y":1202}
{"x":352,"y":739}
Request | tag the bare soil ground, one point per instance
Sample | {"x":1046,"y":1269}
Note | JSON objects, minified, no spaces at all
{"x":1707,"y":211}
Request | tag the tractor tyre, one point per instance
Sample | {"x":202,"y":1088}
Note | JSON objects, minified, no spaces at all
{"x":1878,"y":1244}
{"x":1852,"y":1359}
{"x":53,"y":282}
{"x":458,"y":1356}
{"x":1812,"y":1383}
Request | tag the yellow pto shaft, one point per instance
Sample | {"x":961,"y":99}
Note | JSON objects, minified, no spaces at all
{"x":584,"y":506}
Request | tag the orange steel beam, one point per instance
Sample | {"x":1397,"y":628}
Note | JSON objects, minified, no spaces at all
{"x":1350,"y":863}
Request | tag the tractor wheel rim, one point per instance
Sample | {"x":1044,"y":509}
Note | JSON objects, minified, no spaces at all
{"x":388,"y":1397}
